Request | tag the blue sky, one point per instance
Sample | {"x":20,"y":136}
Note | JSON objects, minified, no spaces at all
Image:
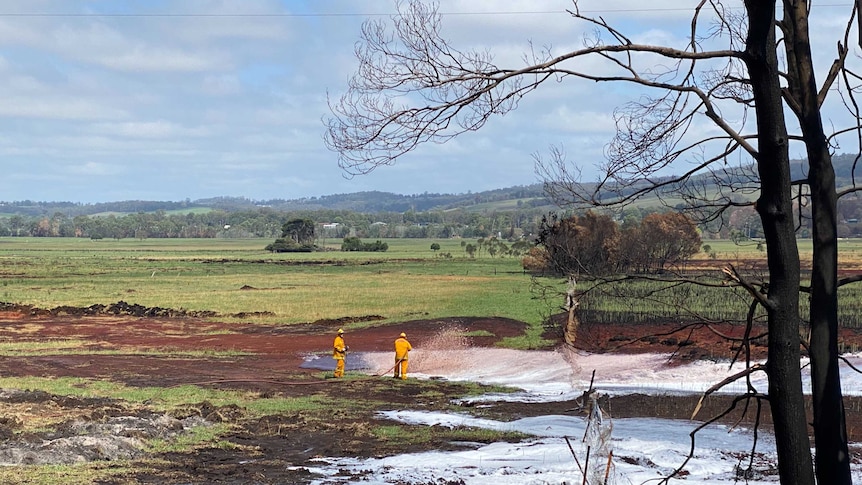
{"x":169,"y":100}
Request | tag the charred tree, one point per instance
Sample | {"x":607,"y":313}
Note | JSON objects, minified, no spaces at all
{"x":776,"y":212}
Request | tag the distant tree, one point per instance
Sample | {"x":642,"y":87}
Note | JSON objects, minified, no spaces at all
{"x":659,"y":241}
{"x":287,"y":245}
{"x":16,"y":225}
{"x":435,"y":247}
{"x":669,"y":239}
{"x":537,"y":260}
{"x":470,"y":249}
{"x":579,"y":244}
{"x":301,"y":231}
{"x":481,"y":245}
{"x":41,"y":228}
{"x":297,"y":235}
{"x":376,"y":246}
{"x":355,"y":244}
{"x":351,"y":244}
{"x":496,"y":247}
{"x":520,"y":247}
{"x":491,"y":247}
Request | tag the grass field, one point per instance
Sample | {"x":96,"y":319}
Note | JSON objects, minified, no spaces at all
{"x":409,"y":281}
{"x":231,"y":276}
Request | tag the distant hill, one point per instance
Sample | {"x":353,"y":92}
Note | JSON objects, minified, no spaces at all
{"x":844,"y":169}
{"x":365,"y":202}
{"x":375,"y":201}
{"x":500,"y":200}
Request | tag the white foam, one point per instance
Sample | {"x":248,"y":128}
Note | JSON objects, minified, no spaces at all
{"x":560,"y":375}
{"x":643,"y":448}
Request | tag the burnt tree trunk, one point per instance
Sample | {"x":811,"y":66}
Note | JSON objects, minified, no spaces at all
{"x":570,"y":333}
{"x":830,"y":429}
{"x":775,"y":209}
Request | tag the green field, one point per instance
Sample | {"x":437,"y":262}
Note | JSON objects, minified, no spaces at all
{"x":230,"y":276}
{"x":407,"y":282}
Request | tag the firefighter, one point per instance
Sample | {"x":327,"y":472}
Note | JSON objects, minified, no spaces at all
{"x":402,"y":347}
{"x":338,"y":351}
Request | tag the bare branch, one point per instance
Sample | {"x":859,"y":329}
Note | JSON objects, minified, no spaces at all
{"x":412,"y":87}
{"x":692,"y":435}
{"x":850,"y":365}
{"x":745,"y":373}
{"x":757,"y":293}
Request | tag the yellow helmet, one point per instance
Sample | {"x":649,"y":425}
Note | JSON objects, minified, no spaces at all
{"x":340,"y":331}
{"x":403,"y":334}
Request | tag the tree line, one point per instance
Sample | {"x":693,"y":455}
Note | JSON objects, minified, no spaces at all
{"x":741,"y":223}
{"x":268,"y":222}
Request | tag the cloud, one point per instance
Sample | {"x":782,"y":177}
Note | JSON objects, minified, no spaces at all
{"x":566,"y":119}
{"x":57,"y":108}
{"x":149,"y":129}
{"x":94,"y":169}
{"x":221,"y":85}
{"x":204,"y":98}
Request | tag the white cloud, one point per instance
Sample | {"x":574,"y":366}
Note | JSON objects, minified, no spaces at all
{"x":94,"y":169}
{"x":149,"y":129}
{"x":240,"y":88}
{"x":221,"y":85}
{"x":58,"y":109}
{"x":142,"y":58}
{"x":566,"y":119}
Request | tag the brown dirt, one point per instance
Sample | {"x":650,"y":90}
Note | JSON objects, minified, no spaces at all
{"x":264,"y":450}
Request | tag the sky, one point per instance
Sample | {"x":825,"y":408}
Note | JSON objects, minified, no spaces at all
{"x":644,"y":449}
{"x":187,"y":99}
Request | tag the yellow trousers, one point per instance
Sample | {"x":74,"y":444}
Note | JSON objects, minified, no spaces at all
{"x":401,"y":368}
{"x":339,"y":367}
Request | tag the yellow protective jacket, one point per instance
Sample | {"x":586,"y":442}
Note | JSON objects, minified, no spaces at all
{"x":402,"y":346}
{"x":338,"y":348}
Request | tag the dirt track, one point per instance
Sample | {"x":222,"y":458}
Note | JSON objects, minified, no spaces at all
{"x":264,"y":449}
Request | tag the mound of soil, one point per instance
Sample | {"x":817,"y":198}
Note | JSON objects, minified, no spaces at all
{"x":97,"y":429}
